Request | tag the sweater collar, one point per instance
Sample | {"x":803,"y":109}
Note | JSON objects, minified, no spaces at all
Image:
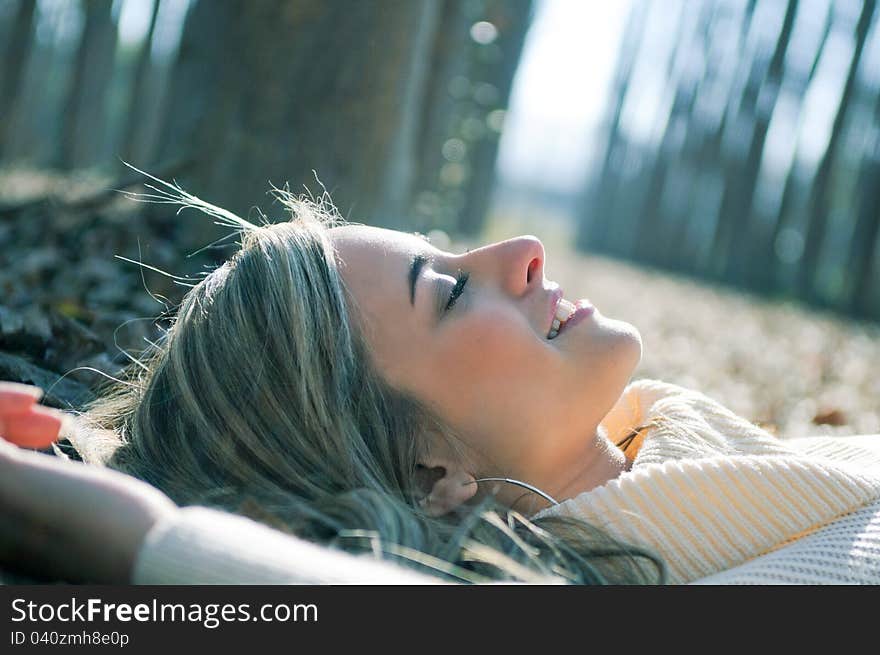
{"x":709,"y":490}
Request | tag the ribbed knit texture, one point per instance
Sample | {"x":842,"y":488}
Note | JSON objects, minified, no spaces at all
{"x":710,"y":491}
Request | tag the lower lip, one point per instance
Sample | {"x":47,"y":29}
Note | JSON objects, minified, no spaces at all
{"x":584,"y":310}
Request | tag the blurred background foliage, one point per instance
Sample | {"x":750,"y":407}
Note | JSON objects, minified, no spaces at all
{"x":743,"y":147}
{"x":396,"y":104}
{"x":660,"y":148}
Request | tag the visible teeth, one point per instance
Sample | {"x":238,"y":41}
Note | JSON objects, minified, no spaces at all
{"x":564,"y":309}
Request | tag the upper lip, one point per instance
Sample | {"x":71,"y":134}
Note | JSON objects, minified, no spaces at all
{"x":555,"y":296}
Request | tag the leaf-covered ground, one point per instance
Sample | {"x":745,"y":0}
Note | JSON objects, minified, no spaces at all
{"x":69,"y":305}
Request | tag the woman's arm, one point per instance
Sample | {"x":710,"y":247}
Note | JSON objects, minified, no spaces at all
{"x":61,"y":518}
{"x":69,"y":520}
{"x":84,"y":523}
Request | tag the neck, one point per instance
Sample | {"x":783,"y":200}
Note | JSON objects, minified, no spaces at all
{"x":599,"y":463}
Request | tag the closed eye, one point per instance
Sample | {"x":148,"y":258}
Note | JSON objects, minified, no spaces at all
{"x":460,"y":282}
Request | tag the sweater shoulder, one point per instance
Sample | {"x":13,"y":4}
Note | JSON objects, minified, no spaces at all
{"x":199,"y":545}
{"x":683,"y":423}
{"x":634,"y":405}
{"x":652,"y":392}
{"x":645,"y":398}
{"x":861,"y":449}
{"x":649,"y":393}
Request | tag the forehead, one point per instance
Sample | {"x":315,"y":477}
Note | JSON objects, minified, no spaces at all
{"x":375,"y":262}
{"x":378,"y":240}
{"x":376,"y":254}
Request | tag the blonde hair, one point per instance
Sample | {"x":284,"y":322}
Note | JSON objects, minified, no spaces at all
{"x":262,"y":399}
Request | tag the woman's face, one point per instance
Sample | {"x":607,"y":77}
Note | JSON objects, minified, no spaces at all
{"x":523,"y":405}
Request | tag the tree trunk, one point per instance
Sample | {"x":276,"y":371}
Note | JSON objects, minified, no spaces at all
{"x":741,"y":166}
{"x":597,"y":220}
{"x":653,"y":228}
{"x":83,"y":131}
{"x":737,"y":204}
{"x":863,"y":247}
{"x":764,"y":278}
{"x":703,"y":155}
{"x":15,"y":57}
{"x":339,"y":85}
{"x":512,"y":19}
{"x":137,"y":100}
{"x":819,"y":197}
{"x":449,"y":68}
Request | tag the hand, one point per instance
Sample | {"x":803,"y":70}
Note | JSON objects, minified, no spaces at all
{"x":63,"y":519}
{"x":22,"y":421}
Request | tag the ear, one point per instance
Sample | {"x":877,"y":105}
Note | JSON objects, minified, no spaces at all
{"x":448,"y":485}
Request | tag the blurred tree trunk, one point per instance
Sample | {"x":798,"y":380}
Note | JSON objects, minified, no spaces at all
{"x":448,"y":71}
{"x":751,"y":116}
{"x":458,"y":144}
{"x":690,"y":43}
{"x":137,"y":101}
{"x":862,"y":271}
{"x":819,"y":196}
{"x":704,"y":153}
{"x":84,"y":112}
{"x":764,"y":278}
{"x":15,"y":57}
{"x":597,"y":220}
{"x":338,"y":93}
{"x":496,"y":66}
{"x":737,"y":207}
{"x":196,"y":91}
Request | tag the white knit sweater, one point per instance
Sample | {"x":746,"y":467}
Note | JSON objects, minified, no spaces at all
{"x":721,"y":500}
{"x":710,"y":491}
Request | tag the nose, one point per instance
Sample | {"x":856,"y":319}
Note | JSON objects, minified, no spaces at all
{"x":518,"y":263}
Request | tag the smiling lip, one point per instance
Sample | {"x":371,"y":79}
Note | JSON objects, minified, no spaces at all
{"x":584,"y":310}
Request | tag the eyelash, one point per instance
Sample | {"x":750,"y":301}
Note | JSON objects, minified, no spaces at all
{"x":460,"y":282}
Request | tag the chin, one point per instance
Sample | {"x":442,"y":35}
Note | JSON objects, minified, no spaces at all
{"x":637,"y":339}
{"x":627,"y":342}
{"x":624,"y":332}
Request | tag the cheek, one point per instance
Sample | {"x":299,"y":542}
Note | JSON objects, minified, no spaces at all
{"x":492,"y":383}
{"x":499,"y":350}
